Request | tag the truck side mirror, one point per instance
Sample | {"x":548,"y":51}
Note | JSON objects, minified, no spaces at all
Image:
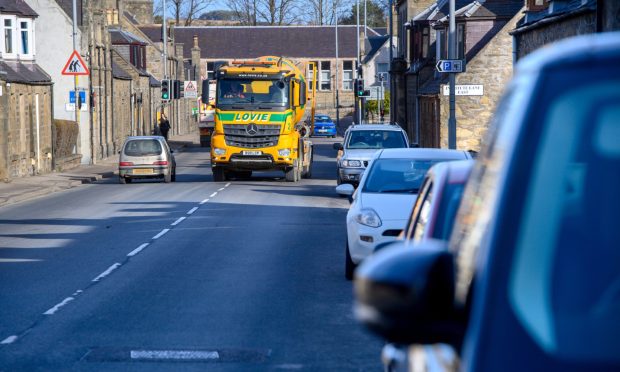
{"x":406,"y":294}
{"x":296,"y":93}
{"x":204,"y":97}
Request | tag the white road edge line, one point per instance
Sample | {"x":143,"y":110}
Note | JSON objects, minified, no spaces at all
{"x":107,"y":272}
{"x":161,"y":233}
{"x":192,"y":210}
{"x":222,"y":189}
{"x":204,"y":201}
{"x":9,"y":340}
{"x":212,"y":195}
{"x":174,"y":355}
{"x":58,"y":306}
{"x":178,"y":221}
{"x":228,"y":184}
{"x":137,"y":250}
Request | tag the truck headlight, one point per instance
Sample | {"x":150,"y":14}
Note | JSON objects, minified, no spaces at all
{"x":352,"y":163}
{"x":285,"y":153}
{"x":218,"y":151}
{"x":368,"y":217}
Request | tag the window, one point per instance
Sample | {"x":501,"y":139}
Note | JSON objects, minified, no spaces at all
{"x":8,"y":36}
{"x":210,"y":70}
{"x":420,"y":42}
{"x":24,"y":36}
{"x":325,"y":79}
{"x":442,"y":42}
{"x":535,"y":5}
{"x":310,"y":74}
{"x":347,"y":75}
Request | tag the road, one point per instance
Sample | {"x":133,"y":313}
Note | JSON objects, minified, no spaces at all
{"x":245,"y":275}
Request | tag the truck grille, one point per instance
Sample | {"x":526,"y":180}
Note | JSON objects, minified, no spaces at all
{"x":237,"y":135}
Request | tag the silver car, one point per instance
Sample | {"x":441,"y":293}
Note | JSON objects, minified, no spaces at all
{"x":361,"y":142}
{"x":146,"y":157}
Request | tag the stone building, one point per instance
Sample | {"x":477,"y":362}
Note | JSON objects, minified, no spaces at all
{"x":26,"y":145}
{"x":551,"y":20}
{"x":483,"y":42}
{"x":301,"y":43}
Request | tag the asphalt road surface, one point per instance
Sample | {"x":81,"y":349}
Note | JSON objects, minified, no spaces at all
{"x":245,"y":275}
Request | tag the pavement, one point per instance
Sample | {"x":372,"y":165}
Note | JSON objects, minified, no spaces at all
{"x":26,"y":188}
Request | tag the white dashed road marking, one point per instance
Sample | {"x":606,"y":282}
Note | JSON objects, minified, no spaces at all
{"x":212,"y":195}
{"x":137,"y":250}
{"x":228,"y":184}
{"x":161,"y":233}
{"x":107,"y":272}
{"x":58,"y":306}
{"x":204,"y":201}
{"x":9,"y":340}
{"x":222,"y":189}
{"x":174,"y":355}
{"x":192,"y":210}
{"x":178,"y":221}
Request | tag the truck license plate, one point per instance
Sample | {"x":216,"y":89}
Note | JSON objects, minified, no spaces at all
{"x":252,"y":153}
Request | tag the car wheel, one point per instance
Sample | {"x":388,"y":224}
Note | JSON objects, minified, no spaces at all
{"x":349,"y":265}
{"x":168,"y":178}
{"x":174,"y":176}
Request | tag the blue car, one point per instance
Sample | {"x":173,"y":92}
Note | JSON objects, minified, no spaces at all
{"x":324,"y":126}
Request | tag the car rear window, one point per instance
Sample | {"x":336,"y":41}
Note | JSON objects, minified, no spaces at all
{"x":146,"y":147}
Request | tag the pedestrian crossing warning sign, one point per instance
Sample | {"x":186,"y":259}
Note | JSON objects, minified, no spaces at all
{"x":75,"y":65}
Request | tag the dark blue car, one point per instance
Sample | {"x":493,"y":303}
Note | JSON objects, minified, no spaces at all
{"x":324,"y":126}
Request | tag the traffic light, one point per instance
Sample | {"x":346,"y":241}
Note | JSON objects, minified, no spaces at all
{"x":359,"y":87}
{"x":165,"y":90}
{"x":176,"y":88}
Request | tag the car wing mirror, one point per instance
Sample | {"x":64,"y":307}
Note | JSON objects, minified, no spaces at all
{"x":405,"y":294}
{"x":346,"y":189}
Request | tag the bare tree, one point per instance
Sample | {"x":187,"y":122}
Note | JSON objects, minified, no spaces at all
{"x":321,"y":12}
{"x":265,"y":12}
{"x":244,"y":11}
{"x":184,"y":10}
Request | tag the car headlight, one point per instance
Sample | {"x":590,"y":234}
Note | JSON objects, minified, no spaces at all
{"x":218,"y":151}
{"x":284,"y":152}
{"x":351,"y":163}
{"x":368,"y":217}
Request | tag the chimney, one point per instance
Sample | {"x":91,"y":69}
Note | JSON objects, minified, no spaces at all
{"x":196,"y":58}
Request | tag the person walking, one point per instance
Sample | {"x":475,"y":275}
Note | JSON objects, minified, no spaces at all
{"x":164,"y":126}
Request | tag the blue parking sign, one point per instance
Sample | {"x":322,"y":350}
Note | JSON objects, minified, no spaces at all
{"x":72,"y":96}
{"x":447,"y":65}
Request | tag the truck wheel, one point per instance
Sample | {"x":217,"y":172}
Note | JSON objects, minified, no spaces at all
{"x":308,"y":170}
{"x":218,"y":174}
{"x":292,"y":173}
{"x":122,"y":180}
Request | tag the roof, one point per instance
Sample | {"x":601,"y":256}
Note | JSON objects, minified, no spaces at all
{"x":119,"y":73}
{"x":376,"y":42}
{"x":131,"y":18}
{"x":253,"y":41}
{"x":67,"y":7}
{"x":120,"y":36}
{"x":423,"y":153}
{"x":381,"y":30}
{"x":558,"y":11}
{"x":18,"y":7}
{"x":24,"y":72}
{"x":481,"y":9}
{"x":453,"y":172}
{"x":154,"y":82}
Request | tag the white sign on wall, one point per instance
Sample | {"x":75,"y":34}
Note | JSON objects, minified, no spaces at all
{"x":190,"y":89}
{"x":464,"y":90}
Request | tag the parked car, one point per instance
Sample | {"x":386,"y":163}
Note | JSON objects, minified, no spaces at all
{"x":382,"y":203}
{"x":146,"y":157}
{"x":529,"y":280}
{"x":361,"y":142}
{"x":324,"y":126}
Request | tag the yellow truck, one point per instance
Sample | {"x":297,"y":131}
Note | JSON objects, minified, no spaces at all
{"x":259,"y":113}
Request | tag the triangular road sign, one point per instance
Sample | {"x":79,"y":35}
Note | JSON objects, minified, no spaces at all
{"x":75,"y":65}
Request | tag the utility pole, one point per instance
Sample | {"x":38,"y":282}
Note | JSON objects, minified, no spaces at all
{"x":358,"y":108}
{"x":452,"y":55}
{"x":336,"y":79}
{"x":75,"y":80}
{"x":391,"y":33}
{"x":165,"y":37}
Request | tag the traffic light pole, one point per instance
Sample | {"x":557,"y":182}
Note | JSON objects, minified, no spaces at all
{"x":452,"y":55}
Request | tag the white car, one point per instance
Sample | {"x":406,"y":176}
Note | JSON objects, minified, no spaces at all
{"x":382,"y":203}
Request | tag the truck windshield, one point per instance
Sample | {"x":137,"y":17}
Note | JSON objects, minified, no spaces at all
{"x":261,"y":94}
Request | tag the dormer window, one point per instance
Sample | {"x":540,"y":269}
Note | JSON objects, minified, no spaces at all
{"x":17,"y":37}
{"x":7,"y":28}
{"x":536,"y":5}
{"x":25,"y":36}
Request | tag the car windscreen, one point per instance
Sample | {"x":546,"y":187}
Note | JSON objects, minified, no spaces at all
{"x":397,"y":175}
{"x":376,"y":139}
{"x":323,"y":119}
{"x":145,"y":147}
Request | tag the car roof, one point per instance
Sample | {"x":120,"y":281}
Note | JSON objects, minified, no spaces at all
{"x":456,"y":172}
{"x":144,"y":138}
{"x":422,"y":153}
{"x":363,"y":127}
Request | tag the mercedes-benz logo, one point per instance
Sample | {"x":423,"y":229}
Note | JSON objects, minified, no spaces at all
{"x":251,"y":129}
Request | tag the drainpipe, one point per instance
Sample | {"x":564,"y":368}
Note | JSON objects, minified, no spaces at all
{"x":515,"y":51}
{"x":36,"y":102}
{"x":131,"y":109}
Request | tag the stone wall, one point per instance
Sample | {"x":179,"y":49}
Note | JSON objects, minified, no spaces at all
{"x":532,"y":39}
{"x":492,"y":68}
{"x":122,"y":114}
{"x":142,"y":10}
{"x":29,"y":142}
{"x":4,"y":128}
